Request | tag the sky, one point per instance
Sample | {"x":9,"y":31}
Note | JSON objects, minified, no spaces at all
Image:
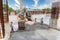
{"x":33,"y":4}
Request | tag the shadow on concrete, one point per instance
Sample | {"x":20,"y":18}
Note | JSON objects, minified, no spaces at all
{"x":36,"y":26}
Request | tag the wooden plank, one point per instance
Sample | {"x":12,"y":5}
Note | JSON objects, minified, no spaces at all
{"x":1,"y":18}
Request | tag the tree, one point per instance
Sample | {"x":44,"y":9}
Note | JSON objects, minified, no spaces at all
{"x":48,"y":9}
{"x":9,"y":8}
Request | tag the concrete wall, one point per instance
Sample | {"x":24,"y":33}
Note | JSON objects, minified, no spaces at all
{"x":46,"y":18}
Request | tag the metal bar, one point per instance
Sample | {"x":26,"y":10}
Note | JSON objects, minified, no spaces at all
{"x":1,"y":18}
{"x":7,"y":9}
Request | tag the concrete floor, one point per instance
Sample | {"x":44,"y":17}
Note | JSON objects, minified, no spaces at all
{"x":36,"y":32}
{"x":35,"y":35}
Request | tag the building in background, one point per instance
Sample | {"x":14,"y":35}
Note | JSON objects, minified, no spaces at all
{"x":34,"y":11}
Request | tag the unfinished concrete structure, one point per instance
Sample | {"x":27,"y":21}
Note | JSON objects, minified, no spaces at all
{"x":55,"y":14}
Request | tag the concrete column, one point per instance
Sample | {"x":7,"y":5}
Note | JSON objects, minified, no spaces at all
{"x":2,"y":18}
{"x":54,"y":14}
{"x":20,"y":5}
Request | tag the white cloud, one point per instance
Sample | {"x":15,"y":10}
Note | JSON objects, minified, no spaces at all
{"x":44,"y":6}
{"x":10,"y":6}
{"x":51,"y":1}
{"x":55,"y":0}
{"x":27,"y":6}
{"x":35,"y":3}
{"x":17,"y":2}
{"x":17,"y":5}
{"x":49,"y":5}
{"x":14,"y":7}
{"x":36,"y":6}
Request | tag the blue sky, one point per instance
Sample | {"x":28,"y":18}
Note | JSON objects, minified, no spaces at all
{"x":40,"y":4}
